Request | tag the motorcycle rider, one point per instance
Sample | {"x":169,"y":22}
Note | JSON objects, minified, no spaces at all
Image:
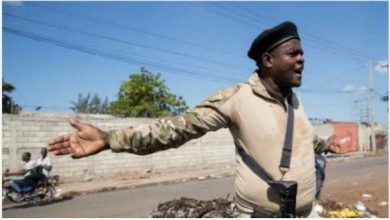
{"x":29,"y":164}
{"x":28,"y":182}
{"x":31,"y":175}
{"x":45,"y":162}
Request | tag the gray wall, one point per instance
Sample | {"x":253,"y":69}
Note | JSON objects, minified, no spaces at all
{"x":324,"y":130}
{"x":31,"y":131}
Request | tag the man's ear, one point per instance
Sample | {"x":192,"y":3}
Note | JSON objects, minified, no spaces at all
{"x":267,"y":60}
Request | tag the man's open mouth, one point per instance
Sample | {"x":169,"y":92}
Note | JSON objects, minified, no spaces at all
{"x":298,"y":71}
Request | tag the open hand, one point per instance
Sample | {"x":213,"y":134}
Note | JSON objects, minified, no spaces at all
{"x":334,"y":145}
{"x":87,"y":140}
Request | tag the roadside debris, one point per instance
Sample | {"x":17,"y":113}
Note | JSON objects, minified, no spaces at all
{"x":344,"y":213}
{"x":192,"y":208}
{"x":367,"y":196}
{"x":223,"y":208}
{"x":360,"y":206}
{"x":333,"y":209}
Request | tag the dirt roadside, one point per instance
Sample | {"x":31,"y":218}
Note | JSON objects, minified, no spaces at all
{"x":369,"y":186}
{"x":372,"y":192}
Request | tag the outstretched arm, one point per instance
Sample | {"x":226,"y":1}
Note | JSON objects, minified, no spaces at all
{"x":165,"y":133}
{"x":15,"y":173}
{"x":149,"y":138}
{"x":172,"y":132}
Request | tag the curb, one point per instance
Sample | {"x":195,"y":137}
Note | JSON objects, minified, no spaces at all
{"x":123,"y":185}
{"x":132,"y":185}
{"x":352,"y":156}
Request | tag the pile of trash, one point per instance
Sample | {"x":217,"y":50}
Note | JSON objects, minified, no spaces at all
{"x":223,"y":208}
{"x":192,"y":208}
{"x":333,"y":209}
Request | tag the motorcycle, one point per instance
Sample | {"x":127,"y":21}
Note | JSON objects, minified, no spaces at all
{"x":43,"y":192}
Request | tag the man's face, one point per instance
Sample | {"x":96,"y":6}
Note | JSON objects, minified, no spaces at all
{"x":43,"y":152}
{"x":25,"y":157}
{"x":287,"y":65}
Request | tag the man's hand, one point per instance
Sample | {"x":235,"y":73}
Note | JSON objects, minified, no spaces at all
{"x":87,"y":140}
{"x":334,"y":145}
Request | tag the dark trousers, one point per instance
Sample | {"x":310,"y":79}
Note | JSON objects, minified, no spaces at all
{"x":20,"y":185}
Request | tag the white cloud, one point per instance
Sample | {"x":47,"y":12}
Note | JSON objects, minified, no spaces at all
{"x":362,"y":88}
{"x":348,"y":88}
{"x":352,"y":88}
{"x":382,"y":66}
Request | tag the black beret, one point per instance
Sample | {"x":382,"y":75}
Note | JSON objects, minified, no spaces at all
{"x":271,"y":38}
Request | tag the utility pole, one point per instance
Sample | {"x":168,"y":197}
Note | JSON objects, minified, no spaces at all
{"x":386,"y":97}
{"x":371,"y":106}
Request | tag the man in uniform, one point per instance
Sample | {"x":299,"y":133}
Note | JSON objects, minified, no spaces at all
{"x":256,"y":114}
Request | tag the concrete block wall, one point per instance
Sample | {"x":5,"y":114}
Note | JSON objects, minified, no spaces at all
{"x":31,"y":131}
{"x":324,"y":130}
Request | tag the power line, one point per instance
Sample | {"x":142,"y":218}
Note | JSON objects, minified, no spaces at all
{"x":334,"y":45}
{"x":379,"y":94}
{"x":126,"y":59}
{"x":247,"y":13}
{"x":116,"y":57}
{"x":330,"y":48}
{"x":127,"y":27}
{"x":338,"y":79}
{"x":122,"y":41}
{"x":360,"y":110}
{"x":320,"y":42}
{"x":313,"y":91}
{"x":223,"y":15}
{"x":106,"y":38}
{"x":143,"y":62}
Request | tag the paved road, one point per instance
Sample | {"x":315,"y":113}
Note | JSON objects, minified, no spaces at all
{"x":139,"y":202}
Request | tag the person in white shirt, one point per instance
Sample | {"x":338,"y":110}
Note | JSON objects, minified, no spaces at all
{"x":29,"y":164}
{"x":45,"y":162}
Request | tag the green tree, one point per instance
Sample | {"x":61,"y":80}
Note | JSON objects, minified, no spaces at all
{"x":9,"y":106}
{"x":146,"y":95}
{"x":90,"y":106}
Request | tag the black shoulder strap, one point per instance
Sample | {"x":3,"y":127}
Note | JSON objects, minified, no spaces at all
{"x":288,"y":140}
{"x":252,"y":164}
{"x":286,"y":153}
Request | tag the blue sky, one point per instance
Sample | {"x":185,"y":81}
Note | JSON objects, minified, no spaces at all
{"x":52,"y":51}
